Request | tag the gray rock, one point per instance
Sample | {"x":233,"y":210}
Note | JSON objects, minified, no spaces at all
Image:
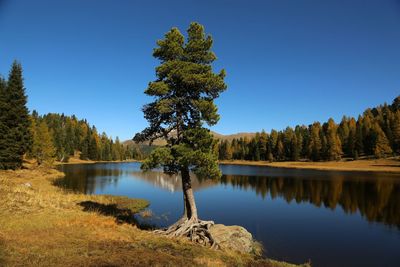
{"x":233,"y":237}
{"x":28,"y":184}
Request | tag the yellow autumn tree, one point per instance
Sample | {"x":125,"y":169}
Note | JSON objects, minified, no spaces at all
{"x":43,"y":148}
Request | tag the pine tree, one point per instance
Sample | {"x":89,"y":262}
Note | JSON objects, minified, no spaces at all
{"x":334,"y":147}
{"x":262,"y":145}
{"x":272,"y":141}
{"x":117,"y":151}
{"x":69,"y":137}
{"x":4,"y":131}
{"x":396,"y":131}
{"x":385,"y":118}
{"x":324,"y":146}
{"x":381,"y":143}
{"x":359,"y":137}
{"x":287,"y":143}
{"x":17,"y":139}
{"x":85,"y":146}
{"x":295,"y":150}
{"x":254,"y":149}
{"x":184,"y":94}
{"x":396,"y":104}
{"x":93,"y":144}
{"x":299,"y":142}
{"x":366,"y":132}
{"x":350,"y":147}
{"x":343,"y":132}
{"x":225,"y":152}
{"x":280,"y":150}
{"x":305,"y":134}
{"x":315,"y":144}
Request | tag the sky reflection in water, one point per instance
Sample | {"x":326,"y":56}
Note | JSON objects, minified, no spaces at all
{"x":331,"y":218}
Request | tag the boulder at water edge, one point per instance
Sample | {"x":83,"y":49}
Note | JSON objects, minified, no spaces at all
{"x":234,"y":237}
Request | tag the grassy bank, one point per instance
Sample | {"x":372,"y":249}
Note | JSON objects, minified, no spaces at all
{"x":370,"y":165}
{"x":77,"y":160}
{"x":42,"y":225}
{"x":376,"y":165}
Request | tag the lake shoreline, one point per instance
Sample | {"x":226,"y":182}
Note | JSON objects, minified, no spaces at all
{"x":81,"y":161}
{"x":41,"y":221}
{"x":367,"y":165}
{"x":378,"y":165}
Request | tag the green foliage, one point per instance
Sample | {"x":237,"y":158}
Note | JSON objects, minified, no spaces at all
{"x":16,"y":138}
{"x":4,"y":131}
{"x":183,"y":94}
{"x":375,"y":133}
{"x":71,"y":136}
{"x":45,"y":136}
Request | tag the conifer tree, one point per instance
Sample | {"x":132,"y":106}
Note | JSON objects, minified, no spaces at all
{"x":381,"y":143}
{"x":117,"y":149}
{"x":299,"y":142}
{"x":343,"y":132}
{"x":184,"y":94}
{"x":272,"y":141}
{"x":396,"y":104}
{"x":396,"y":131}
{"x":385,"y":119}
{"x":93,"y":144}
{"x":334,"y":147}
{"x":315,"y":144}
{"x":359,"y":137}
{"x":86,"y":145}
{"x":262,"y":145}
{"x":366,"y":132}
{"x":295,"y":150}
{"x":17,"y":139}
{"x":280,"y":149}
{"x":4,"y":131}
{"x":351,"y":140}
{"x":287,"y":142}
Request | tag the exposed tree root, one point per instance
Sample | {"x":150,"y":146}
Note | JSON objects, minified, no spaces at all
{"x":194,"y":229}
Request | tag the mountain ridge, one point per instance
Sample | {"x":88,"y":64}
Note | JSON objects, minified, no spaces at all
{"x":228,"y":137}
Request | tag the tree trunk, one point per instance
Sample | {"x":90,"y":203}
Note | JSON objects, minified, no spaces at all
{"x":189,"y":225}
{"x":188,"y":196}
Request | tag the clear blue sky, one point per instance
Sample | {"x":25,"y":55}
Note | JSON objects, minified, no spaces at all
{"x":287,"y":62}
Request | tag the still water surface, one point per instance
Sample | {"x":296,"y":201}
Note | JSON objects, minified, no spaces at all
{"x":330,"y":218}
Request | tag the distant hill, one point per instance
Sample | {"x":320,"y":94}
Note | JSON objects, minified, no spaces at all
{"x":228,"y":137}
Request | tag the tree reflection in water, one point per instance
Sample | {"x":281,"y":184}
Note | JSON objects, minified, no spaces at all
{"x":82,"y":179}
{"x":376,"y":198}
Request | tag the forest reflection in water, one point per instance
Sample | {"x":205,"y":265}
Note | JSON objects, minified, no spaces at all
{"x":377,"y":201}
{"x":375,"y":196}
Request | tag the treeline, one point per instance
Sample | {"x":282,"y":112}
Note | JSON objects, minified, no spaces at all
{"x":375,"y":133}
{"x":48,"y":137}
{"x":70,"y":136}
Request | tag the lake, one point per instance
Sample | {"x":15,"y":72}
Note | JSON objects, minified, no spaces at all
{"x":330,"y":218}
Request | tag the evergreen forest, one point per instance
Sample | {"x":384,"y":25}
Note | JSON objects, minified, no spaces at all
{"x":49,"y":137}
{"x":374,"y":134}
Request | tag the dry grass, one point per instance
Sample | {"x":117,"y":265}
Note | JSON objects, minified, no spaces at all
{"x":41,"y":225}
{"x":374,"y":165}
{"x":76,"y":160}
